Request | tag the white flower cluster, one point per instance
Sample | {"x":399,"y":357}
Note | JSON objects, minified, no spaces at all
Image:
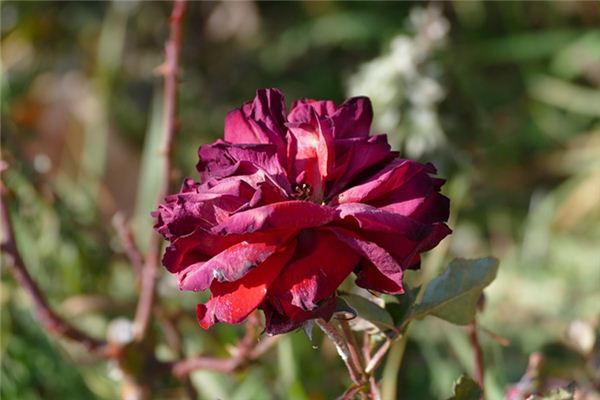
{"x":402,"y":84}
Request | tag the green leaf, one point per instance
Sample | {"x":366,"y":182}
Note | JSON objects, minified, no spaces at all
{"x":398,"y":306}
{"x":466,"y":388}
{"x":369,"y":311}
{"x":453,"y":295}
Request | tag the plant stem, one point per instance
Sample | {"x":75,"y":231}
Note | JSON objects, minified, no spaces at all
{"x":392,"y":368}
{"x":47,"y":318}
{"x":342,"y":349}
{"x":478,"y":353}
{"x":353,"y":347}
{"x":171,"y":71}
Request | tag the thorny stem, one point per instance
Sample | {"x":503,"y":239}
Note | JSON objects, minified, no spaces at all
{"x":378,"y":357}
{"x":127,"y":240}
{"x":355,"y":355}
{"x":248,"y":350}
{"x":478,"y":353}
{"x":53,"y":323}
{"x":170,"y":71}
{"x":342,"y":349}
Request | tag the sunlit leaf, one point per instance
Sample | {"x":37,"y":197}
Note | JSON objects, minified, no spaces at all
{"x":453,"y":295}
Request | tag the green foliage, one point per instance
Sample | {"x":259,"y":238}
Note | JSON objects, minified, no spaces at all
{"x":454,"y":295}
{"x":466,"y":388}
{"x":369,"y":311}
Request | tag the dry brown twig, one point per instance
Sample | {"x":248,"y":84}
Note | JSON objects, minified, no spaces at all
{"x":52,"y":322}
{"x":152,"y":260}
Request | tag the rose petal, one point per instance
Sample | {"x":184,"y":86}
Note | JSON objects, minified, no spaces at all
{"x":232,"y":302}
{"x":371,"y":218}
{"x":259,"y":121}
{"x":277,"y":322}
{"x":354,"y":156}
{"x":229,"y":265}
{"x":383,"y":261}
{"x":286,"y":215}
{"x":320,"y":265}
{"x":313,"y":152}
{"x":390,"y":178}
{"x":302,"y":110}
{"x":353,"y":118}
{"x":369,"y":277}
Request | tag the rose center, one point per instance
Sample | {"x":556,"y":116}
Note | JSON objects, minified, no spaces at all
{"x":302,"y":192}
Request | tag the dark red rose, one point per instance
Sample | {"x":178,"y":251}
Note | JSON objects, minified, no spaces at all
{"x":290,"y":205}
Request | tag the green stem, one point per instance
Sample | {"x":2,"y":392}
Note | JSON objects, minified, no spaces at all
{"x":389,"y":381}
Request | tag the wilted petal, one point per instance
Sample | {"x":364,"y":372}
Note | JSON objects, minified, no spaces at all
{"x":393,"y":176}
{"x":224,"y":159}
{"x":381,"y":259}
{"x":371,"y":218}
{"x":259,"y":121}
{"x":302,"y":110}
{"x":286,"y":215}
{"x":354,"y":156}
{"x":369,"y":277}
{"x":229,"y":265}
{"x":202,"y":245}
{"x":320,"y":265}
{"x":232,"y":302}
{"x":278,"y":321}
{"x":353,"y":118}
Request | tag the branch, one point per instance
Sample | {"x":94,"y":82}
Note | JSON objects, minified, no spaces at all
{"x":478,"y":353}
{"x":378,"y":357}
{"x":248,"y":351}
{"x":170,"y":70}
{"x":352,"y":345}
{"x":342,"y":349}
{"x":131,"y":249}
{"x":53,"y":323}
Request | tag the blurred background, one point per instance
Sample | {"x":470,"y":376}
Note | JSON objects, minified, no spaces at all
{"x":504,"y":97}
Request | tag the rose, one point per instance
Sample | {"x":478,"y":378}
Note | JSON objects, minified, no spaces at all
{"x":290,"y":205}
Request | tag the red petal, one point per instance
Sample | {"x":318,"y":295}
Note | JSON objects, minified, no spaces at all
{"x":369,"y":277}
{"x":383,"y":261}
{"x":320,"y":265}
{"x":232,"y":302}
{"x":227,"y":266}
{"x":293,"y":214}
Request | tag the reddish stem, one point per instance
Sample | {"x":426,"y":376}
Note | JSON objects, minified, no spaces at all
{"x":53,"y":323}
{"x":131,"y":249}
{"x":378,"y":357}
{"x":355,"y":356}
{"x":248,"y":351}
{"x":479,"y":362}
{"x":171,"y":71}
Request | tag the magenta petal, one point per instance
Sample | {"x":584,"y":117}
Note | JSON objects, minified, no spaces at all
{"x":293,"y":214}
{"x":371,"y":218}
{"x":355,"y":156}
{"x":258,"y":121}
{"x":224,"y":159}
{"x":302,"y":110}
{"x":353,"y":118}
{"x":229,"y":265}
{"x":393,"y":176}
